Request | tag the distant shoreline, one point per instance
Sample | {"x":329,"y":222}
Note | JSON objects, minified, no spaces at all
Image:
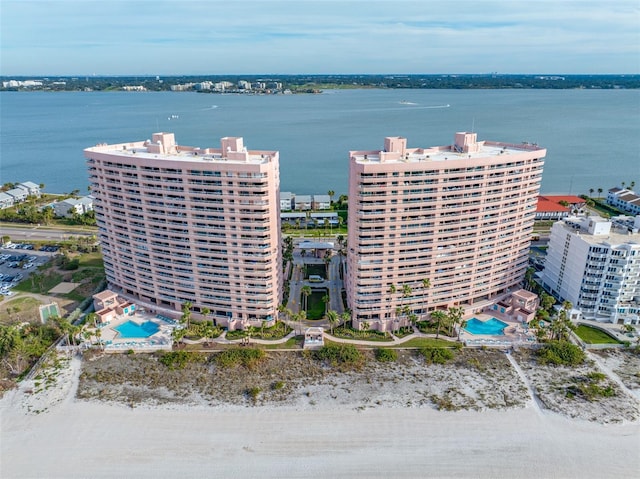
{"x":279,"y":84}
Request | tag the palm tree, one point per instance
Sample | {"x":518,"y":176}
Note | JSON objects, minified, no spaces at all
{"x":98,"y":335}
{"x":599,"y":192}
{"x":345,"y":318}
{"x":333,"y":318}
{"x":327,"y":262}
{"x":438,"y":316}
{"x":206,"y":312}
{"x":365,"y":326}
{"x":186,"y":313}
{"x":300,"y":316}
{"x":306,"y":292}
{"x":632,"y":184}
{"x":591,"y":190}
{"x":455,"y":317}
{"x":325,"y":300}
{"x":331,"y":193}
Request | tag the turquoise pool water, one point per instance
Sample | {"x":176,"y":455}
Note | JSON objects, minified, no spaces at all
{"x":135,"y":330}
{"x":492,"y":326}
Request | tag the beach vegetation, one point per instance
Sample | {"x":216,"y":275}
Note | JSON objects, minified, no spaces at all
{"x":254,"y":393}
{"x":385,"y":355}
{"x":590,"y":387}
{"x":179,"y":359}
{"x":436,"y":355}
{"x":343,"y":356}
{"x":239,"y":356}
{"x":561,"y":353}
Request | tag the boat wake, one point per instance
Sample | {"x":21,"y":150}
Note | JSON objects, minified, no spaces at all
{"x":409,"y":103}
{"x":212,"y":107}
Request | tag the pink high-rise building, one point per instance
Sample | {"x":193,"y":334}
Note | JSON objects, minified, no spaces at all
{"x":459,"y":216}
{"x":183,"y":224}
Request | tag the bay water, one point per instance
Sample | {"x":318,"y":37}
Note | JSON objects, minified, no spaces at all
{"x":592,"y":136}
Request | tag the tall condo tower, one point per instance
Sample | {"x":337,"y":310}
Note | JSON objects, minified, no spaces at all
{"x":431,"y":228}
{"x":183,"y":224}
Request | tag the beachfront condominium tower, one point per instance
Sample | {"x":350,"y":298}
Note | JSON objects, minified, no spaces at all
{"x":181,"y":224}
{"x":595,"y":264}
{"x":433,"y":228}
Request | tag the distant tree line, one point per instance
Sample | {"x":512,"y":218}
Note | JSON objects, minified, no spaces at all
{"x":310,"y":83}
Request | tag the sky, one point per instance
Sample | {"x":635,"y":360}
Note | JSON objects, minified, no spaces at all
{"x":183,"y":37}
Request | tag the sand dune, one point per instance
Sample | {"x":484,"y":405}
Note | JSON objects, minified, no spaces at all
{"x":77,"y":439}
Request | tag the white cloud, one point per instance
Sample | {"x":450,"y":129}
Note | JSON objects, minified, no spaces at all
{"x":182,"y":37}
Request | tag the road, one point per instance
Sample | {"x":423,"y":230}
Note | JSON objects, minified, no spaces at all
{"x":39,"y":233}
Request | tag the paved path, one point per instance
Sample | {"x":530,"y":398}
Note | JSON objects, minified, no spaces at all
{"x":537,"y":404}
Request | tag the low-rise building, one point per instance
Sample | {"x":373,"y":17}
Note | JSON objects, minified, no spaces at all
{"x":302,"y":202}
{"x":18,"y":194}
{"x":31,"y":188}
{"x":321,"y":202}
{"x":556,"y":207}
{"x":6,"y":201}
{"x":624,"y":199}
{"x":286,"y":201}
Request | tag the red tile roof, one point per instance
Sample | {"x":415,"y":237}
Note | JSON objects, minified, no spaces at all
{"x":545,"y":205}
{"x":572,"y":200}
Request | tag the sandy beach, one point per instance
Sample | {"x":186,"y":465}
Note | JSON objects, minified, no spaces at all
{"x":53,"y":434}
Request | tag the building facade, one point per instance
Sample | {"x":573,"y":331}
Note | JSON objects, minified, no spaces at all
{"x":595,"y":265}
{"x":437,"y":227}
{"x":185,"y":224}
{"x":624,"y":199}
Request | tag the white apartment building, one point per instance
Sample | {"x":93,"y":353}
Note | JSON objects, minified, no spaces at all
{"x":595,"y":264}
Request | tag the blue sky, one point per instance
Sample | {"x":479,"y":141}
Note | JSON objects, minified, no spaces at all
{"x":155,"y":37}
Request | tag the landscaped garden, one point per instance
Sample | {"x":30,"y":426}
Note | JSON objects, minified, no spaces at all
{"x":594,"y":336}
{"x":315,"y":305}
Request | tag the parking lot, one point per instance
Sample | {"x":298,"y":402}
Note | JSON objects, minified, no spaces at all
{"x":18,"y":261}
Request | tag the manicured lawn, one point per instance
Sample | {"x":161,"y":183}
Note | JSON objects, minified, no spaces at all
{"x":594,"y":336}
{"x":316,"y":307}
{"x":49,"y":280}
{"x":427,"y":343}
{"x":368,"y":335}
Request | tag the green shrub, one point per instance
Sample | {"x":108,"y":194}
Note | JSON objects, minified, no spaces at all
{"x":247,"y":357}
{"x":278,"y":385}
{"x":561,"y":353}
{"x":436,"y":355}
{"x":254,"y":392}
{"x":179,"y":359}
{"x":386,"y":355}
{"x":341,"y":355}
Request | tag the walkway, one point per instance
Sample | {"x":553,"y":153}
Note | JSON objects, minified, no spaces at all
{"x":537,"y":404}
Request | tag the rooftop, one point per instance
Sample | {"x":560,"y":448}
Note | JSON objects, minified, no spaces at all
{"x":163,"y":147}
{"x":616,"y":235}
{"x":464,"y":147}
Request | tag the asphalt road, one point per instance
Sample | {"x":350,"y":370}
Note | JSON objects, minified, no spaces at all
{"x":36,"y":233}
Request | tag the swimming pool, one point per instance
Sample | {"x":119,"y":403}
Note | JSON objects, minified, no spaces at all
{"x":493,"y":327}
{"x":135,"y":330}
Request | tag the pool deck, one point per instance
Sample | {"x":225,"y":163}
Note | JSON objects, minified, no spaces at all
{"x":161,"y":340}
{"x":514,"y":334}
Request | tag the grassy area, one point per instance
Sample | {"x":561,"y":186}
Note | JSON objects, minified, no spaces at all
{"x":427,"y":343}
{"x":368,"y":335}
{"x":594,"y":336}
{"x":315,"y":305}
{"x":91,"y":260}
{"x":292,"y":343}
{"x":20,"y":309}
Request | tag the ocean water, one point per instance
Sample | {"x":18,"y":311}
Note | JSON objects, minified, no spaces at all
{"x":592,"y":136}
